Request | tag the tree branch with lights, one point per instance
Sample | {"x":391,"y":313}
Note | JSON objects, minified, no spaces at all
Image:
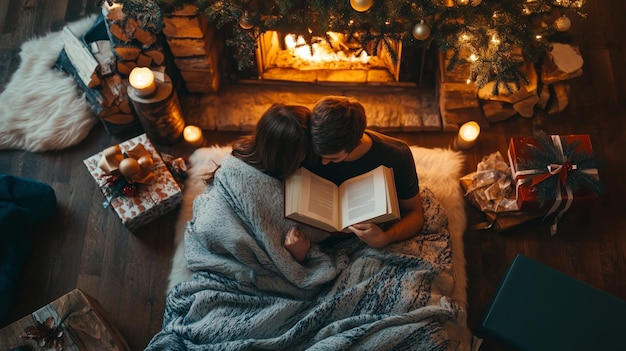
{"x":494,"y":36}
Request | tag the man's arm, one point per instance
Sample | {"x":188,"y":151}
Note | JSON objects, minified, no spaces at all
{"x":408,"y":226}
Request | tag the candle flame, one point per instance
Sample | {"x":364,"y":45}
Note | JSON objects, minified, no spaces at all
{"x":469,"y":131}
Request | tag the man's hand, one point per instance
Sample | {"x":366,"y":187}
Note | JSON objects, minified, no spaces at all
{"x":297,"y":244}
{"x":371,"y":234}
{"x":407,"y":227}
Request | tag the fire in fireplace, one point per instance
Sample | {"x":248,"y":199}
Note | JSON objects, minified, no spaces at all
{"x":334,"y":58}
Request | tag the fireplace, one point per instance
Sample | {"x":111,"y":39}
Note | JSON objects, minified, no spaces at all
{"x":332,"y":59}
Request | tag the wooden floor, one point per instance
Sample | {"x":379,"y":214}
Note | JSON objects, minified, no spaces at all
{"x":86,"y":247}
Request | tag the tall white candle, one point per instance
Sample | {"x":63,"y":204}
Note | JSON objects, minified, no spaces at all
{"x":193,"y":135}
{"x":142,"y":79}
{"x":468,"y":133}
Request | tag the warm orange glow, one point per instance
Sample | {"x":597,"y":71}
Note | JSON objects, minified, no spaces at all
{"x":336,"y":52}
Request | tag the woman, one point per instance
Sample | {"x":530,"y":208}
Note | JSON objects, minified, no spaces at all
{"x":279,"y":145}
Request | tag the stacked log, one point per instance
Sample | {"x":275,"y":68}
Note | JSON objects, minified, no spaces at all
{"x":196,"y":47}
{"x":458,"y":99}
{"x":546,"y":88}
{"x":561,"y":63}
{"x":127,"y":44}
{"x":135,"y":44}
{"x":511,"y":99}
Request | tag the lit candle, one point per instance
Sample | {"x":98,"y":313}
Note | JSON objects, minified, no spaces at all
{"x":468,"y":133}
{"x":193,"y":135}
{"x":142,"y":79}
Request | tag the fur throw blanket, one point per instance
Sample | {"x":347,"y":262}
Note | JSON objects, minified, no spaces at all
{"x":344,"y":296}
{"x":42,"y":108}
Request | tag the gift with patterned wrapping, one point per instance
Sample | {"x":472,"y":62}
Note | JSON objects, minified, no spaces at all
{"x":135,"y":181}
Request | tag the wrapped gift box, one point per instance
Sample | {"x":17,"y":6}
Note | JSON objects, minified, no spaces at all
{"x":150,"y":200}
{"x":79,"y":317}
{"x":528,"y":198}
{"x":491,"y":190}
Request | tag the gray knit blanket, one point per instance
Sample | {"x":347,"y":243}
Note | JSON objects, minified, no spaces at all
{"x":248,"y":293}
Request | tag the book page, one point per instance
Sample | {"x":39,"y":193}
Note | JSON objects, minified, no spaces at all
{"x":312,"y":200}
{"x":363,"y":197}
{"x":321,"y":195}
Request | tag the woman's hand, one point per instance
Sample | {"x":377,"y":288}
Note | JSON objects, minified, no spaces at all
{"x":297,"y":244}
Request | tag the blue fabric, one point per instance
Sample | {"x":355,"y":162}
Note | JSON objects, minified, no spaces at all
{"x":247,"y":292}
{"x":23,"y":204}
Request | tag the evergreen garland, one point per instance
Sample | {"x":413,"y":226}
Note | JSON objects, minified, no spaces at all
{"x":523,"y":27}
{"x":148,"y":13}
{"x":546,"y":153}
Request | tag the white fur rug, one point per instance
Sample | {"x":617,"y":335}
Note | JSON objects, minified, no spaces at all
{"x":438,"y":169}
{"x":42,"y":108}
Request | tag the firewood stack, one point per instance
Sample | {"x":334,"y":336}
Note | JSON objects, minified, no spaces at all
{"x":196,"y":46}
{"x":133,"y":43}
{"x":547,"y":89}
{"x":458,"y":100}
{"x":130,"y":44}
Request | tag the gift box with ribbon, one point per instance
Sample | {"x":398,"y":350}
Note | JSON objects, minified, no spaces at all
{"x":491,"y":189}
{"x":552,"y":173}
{"x":135,"y":181}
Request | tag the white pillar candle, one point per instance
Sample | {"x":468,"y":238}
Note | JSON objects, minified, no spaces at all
{"x":468,"y":133}
{"x":142,"y":79}
{"x":193,"y":135}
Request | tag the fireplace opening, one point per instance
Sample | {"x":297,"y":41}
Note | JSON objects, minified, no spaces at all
{"x":333,"y":58}
{"x":284,"y":57}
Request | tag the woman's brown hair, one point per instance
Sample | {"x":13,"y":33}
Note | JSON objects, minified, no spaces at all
{"x":280,"y":143}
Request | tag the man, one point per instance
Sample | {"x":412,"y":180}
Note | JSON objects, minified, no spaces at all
{"x":347,"y":149}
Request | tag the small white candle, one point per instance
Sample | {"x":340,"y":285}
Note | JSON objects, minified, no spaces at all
{"x":468,"y":133}
{"x":193,"y":135}
{"x":142,"y":79}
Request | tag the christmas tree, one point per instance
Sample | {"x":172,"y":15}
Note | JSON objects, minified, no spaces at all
{"x":494,"y":36}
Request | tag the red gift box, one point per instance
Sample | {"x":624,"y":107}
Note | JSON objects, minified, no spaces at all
{"x":527,"y":196}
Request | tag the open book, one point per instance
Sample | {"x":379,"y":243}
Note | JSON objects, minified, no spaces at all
{"x":318,"y":202}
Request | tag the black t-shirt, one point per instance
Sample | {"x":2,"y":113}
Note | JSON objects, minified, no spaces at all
{"x":391,"y":152}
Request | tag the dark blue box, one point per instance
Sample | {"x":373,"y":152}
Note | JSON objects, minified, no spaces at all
{"x":539,"y":308}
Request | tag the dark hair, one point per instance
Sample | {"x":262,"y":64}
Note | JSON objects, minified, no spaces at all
{"x":337,"y":124}
{"x":280,"y":142}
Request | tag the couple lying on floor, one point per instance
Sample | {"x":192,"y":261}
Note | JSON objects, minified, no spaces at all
{"x":332,"y":141}
{"x":374,"y":290}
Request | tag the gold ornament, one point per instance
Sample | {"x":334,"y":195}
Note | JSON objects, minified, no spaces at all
{"x":245,"y":22}
{"x":475,"y":2}
{"x":562,"y":23}
{"x":421,"y":30}
{"x":129,"y":167}
{"x":361,"y":5}
{"x":463,"y":2}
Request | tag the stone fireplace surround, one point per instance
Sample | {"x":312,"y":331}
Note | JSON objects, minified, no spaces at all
{"x":238,"y":106}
